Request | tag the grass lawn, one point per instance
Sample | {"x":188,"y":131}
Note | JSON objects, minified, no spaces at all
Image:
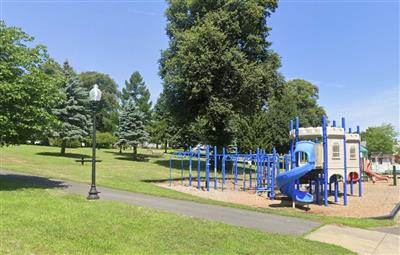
{"x":121,"y":172}
{"x":35,"y":220}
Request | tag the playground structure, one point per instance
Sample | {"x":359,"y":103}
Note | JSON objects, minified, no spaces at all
{"x":319,"y":158}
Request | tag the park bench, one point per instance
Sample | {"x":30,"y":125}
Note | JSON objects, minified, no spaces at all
{"x":83,"y":160}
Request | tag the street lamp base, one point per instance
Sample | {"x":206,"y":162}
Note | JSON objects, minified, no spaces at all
{"x":93,"y":193}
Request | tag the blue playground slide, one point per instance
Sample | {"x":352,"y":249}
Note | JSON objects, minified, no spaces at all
{"x":286,"y":181}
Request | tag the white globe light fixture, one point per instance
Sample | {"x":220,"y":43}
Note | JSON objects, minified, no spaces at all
{"x":95,"y":93}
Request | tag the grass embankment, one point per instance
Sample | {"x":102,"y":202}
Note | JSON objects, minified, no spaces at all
{"x":121,"y":172}
{"x":35,"y":220}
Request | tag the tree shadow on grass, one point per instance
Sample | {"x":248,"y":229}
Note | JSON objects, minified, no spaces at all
{"x":129,"y":154}
{"x":9,"y":182}
{"x":138,"y":158}
{"x":67,"y":155}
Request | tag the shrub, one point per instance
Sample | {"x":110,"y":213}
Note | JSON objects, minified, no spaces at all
{"x":105,"y":140}
{"x":70,"y":144}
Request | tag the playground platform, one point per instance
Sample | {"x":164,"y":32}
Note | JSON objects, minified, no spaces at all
{"x":378,"y":199}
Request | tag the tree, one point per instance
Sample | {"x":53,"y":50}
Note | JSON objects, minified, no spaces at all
{"x":107,"y":109}
{"x":27,"y":91}
{"x":131,"y":126}
{"x":270,"y":127}
{"x":253,"y":132}
{"x":72,"y":112}
{"x":380,"y":139}
{"x":218,"y":63}
{"x":136,"y":90}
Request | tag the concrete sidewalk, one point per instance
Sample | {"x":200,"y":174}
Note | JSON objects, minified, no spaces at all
{"x":358,"y":240}
{"x":239,"y":217}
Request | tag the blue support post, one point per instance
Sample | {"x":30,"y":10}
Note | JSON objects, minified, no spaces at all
{"x":286,"y":163}
{"x":198,"y":168}
{"x":182,"y":163}
{"x":250,"y":170}
{"x":359,"y":165}
{"x":257,"y":169}
{"x":336,"y":190}
{"x":244,"y":174}
{"x":291,"y":143}
{"x":170,"y":171}
{"x":297,"y":124}
{"x":317,"y":193}
{"x":297,"y":129}
{"x":215,"y":167}
{"x":334,"y":123}
{"x":272,"y":193}
{"x":344,"y":163}
{"x":208,"y":167}
{"x":325,"y":145}
{"x":223,"y":167}
{"x":190,"y":166}
{"x":235,"y":179}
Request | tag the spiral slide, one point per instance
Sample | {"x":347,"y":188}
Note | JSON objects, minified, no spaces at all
{"x":286,"y":181}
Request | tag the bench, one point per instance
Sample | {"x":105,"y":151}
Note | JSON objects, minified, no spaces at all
{"x":83,"y":160}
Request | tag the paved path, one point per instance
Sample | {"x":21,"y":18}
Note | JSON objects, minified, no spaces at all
{"x":395,"y":230}
{"x":358,"y":240}
{"x":239,"y":217}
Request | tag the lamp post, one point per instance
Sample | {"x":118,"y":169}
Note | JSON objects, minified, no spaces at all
{"x":95,"y":96}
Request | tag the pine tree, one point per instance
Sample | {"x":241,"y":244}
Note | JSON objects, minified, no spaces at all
{"x":72,"y":112}
{"x":131,"y":126}
{"x":136,"y":90}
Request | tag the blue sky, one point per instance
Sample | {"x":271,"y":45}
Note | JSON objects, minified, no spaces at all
{"x":349,"y":49}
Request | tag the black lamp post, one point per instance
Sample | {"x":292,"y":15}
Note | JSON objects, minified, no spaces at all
{"x":95,"y":96}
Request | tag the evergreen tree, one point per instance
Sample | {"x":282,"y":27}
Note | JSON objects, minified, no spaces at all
{"x":136,"y":90}
{"x":72,"y":112}
{"x":218,"y":64}
{"x":131,"y":129}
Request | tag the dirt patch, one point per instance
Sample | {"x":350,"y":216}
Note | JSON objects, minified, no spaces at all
{"x":377,"y":199}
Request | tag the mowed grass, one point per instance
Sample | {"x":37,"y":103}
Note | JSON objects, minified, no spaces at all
{"x":121,"y":172}
{"x":35,"y":220}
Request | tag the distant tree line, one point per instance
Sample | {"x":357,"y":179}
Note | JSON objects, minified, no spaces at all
{"x":221,"y":86}
{"x":42,"y":100}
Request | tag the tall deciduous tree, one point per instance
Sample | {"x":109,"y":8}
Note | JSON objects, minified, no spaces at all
{"x":27,"y":91}
{"x":107,"y":111}
{"x":135,"y":89}
{"x":72,"y":112}
{"x":297,"y":98}
{"x":218,"y":63}
{"x":131,"y":126}
{"x":380,"y":139}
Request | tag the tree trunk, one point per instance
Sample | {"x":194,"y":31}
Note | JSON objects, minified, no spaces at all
{"x":63,"y":146}
{"x":134,"y":151}
{"x":157,"y":146}
{"x":120,"y":149}
{"x":165,"y":146}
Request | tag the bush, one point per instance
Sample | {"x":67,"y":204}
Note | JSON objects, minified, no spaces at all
{"x":105,"y":140}
{"x":70,"y":144}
